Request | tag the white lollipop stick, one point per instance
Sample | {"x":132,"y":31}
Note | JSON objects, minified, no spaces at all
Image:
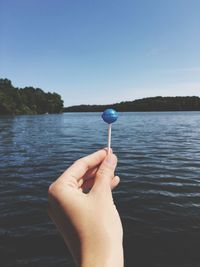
{"x":109,"y":137}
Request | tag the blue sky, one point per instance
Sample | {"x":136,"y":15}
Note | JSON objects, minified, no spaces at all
{"x":102,"y":51}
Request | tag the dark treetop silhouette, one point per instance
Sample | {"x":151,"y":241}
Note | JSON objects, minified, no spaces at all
{"x":178,"y":103}
{"x":29,"y":100}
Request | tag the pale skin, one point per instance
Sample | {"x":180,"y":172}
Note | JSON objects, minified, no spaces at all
{"x":89,"y":223}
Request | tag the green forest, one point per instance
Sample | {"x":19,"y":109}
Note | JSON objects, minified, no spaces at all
{"x":28,"y":100}
{"x":178,"y":103}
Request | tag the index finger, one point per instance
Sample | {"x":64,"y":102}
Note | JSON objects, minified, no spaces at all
{"x":82,"y":165}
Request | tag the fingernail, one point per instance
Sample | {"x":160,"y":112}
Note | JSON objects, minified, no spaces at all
{"x":106,"y":148}
{"x":111,"y":159}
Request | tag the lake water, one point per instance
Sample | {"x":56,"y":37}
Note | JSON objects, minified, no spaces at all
{"x":158,"y":197}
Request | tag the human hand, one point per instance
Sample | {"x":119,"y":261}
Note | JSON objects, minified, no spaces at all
{"x":89,"y":223}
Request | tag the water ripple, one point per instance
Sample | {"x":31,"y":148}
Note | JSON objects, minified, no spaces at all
{"x":158,"y":197}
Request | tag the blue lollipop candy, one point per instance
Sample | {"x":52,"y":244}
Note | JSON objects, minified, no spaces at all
{"x":109,"y":116}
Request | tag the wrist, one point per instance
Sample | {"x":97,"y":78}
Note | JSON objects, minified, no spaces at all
{"x":99,"y":256}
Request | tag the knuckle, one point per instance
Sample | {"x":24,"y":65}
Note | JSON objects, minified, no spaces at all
{"x":102,"y":172}
{"x":53,"y":189}
{"x":77,"y":161}
{"x":50,"y":189}
{"x":105,"y":172}
{"x":81,"y":163}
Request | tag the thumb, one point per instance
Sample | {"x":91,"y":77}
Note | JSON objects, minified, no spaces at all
{"x":105,"y":173}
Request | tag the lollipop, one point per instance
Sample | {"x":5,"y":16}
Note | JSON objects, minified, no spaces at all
{"x":109,"y":116}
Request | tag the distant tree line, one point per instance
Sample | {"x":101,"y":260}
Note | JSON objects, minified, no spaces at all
{"x":178,"y":103}
{"x":29,"y":100}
